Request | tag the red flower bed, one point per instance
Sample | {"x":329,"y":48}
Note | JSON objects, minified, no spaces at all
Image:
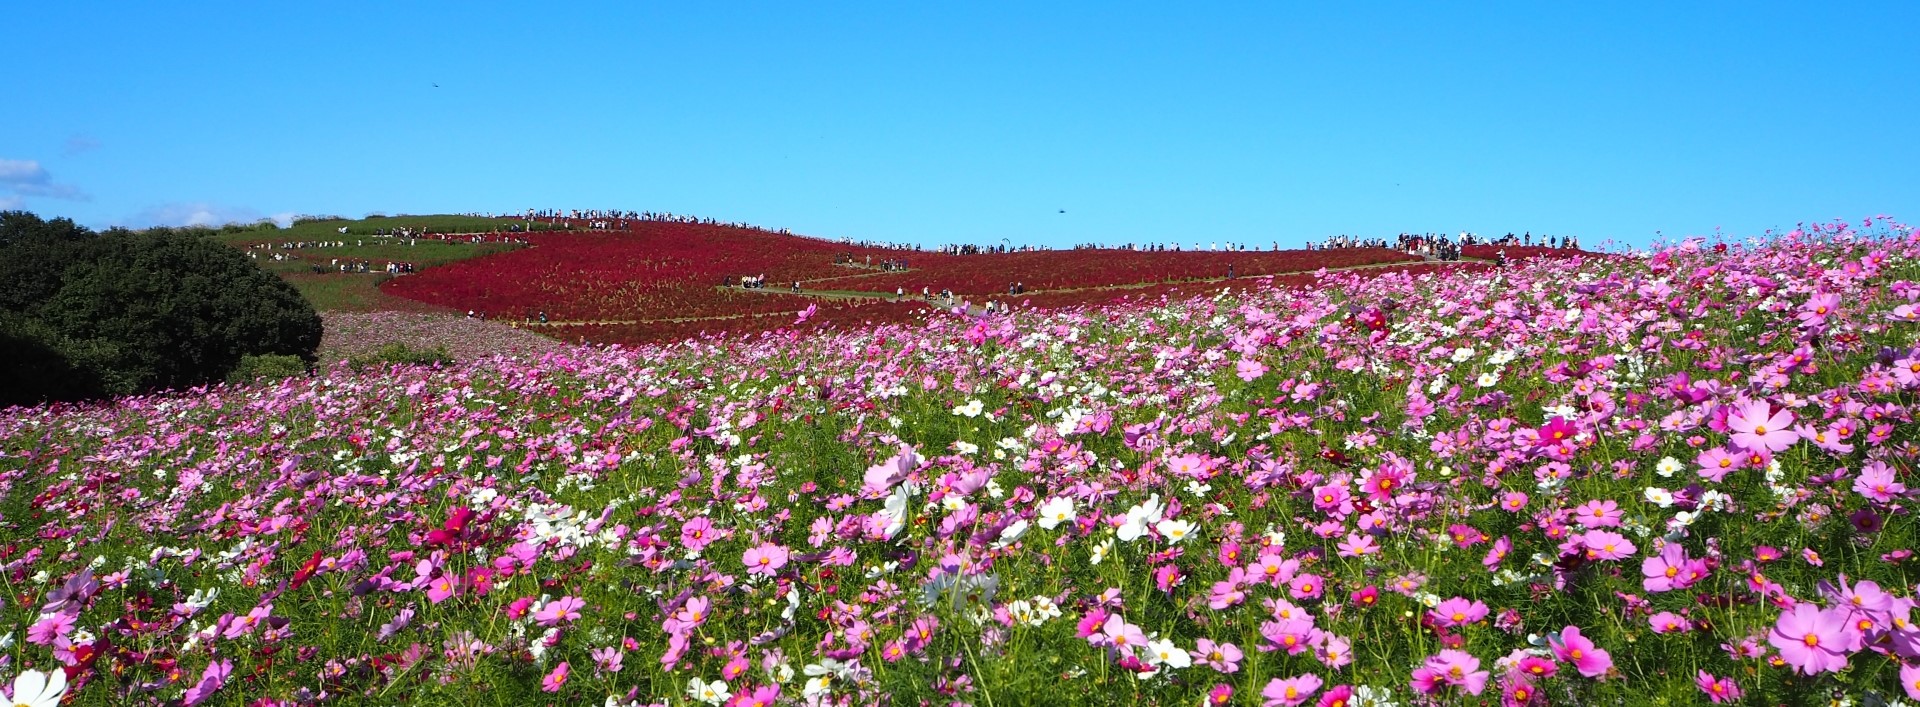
{"x":990,"y":274}
{"x":660,"y":281}
{"x":653,"y":271}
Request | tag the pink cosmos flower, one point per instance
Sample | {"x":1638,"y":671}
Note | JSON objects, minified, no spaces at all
{"x":1121,"y":636}
{"x":1306,"y":586}
{"x":1358,"y":544}
{"x":1598,"y":513}
{"x":518,"y":608}
{"x":1607,"y":545}
{"x":1669,"y":622}
{"x":1458,"y":611}
{"x":210,"y":682}
{"x":1291,"y":691}
{"x":1574,"y":648}
{"x":696,"y":533}
{"x":1497,"y":554}
{"x":1513,"y":501}
{"x":1220,"y":694}
{"x":1663,"y":571}
{"x":1818,"y":307}
{"x":1249,"y":369}
{"x":564,"y":609}
{"x":1909,"y":679}
{"x":1223,"y":657}
{"x":440,"y":589}
{"x":1536,"y":667}
{"x":1556,"y":431}
{"x":1718,"y":689}
{"x":1876,"y":482}
{"x":607,"y":659}
{"x":556,"y":679}
{"x":1339,"y":696}
{"x":1333,"y":651}
{"x":1450,"y":668}
{"x":1517,"y":691}
{"x":1811,"y":639}
{"x":765,"y":560}
{"x":44,"y":631}
{"x":1756,"y":427}
{"x":1716,"y":463}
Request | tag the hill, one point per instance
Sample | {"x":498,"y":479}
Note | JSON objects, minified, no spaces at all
{"x":1608,"y":481}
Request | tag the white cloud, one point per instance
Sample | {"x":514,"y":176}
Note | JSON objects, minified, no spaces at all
{"x":199,"y":213}
{"x":27,"y":178}
{"x":15,"y":172}
{"x":9,"y":203}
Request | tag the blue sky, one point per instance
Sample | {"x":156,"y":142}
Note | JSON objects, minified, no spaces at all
{"x":973,"y":122}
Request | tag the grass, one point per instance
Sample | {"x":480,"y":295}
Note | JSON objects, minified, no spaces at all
{"x":334,"y":291}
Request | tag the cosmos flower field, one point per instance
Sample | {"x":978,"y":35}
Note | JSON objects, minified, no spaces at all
{"x":1684,"y":478}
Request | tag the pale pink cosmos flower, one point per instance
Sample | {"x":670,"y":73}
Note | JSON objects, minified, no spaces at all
{"x":1607,"y":545}
{"x":1598,"y":513}
{"x":1811,"y":639}
{"x":1122,"y":636}
{"x":1223,"y":657}
{"x":1450,"y":668}
{"x":1292,"y":691}
{"x":1458,"y":611}
{"x":765,"y":560}
{"x":1757,"y":427}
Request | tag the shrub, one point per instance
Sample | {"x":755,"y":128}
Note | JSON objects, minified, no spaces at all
{"x":121,"y":313}
{"x":400,"y":354}
{"x":267,"y":366}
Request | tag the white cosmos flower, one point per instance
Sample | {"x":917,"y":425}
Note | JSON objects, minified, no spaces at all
{"x":32,"y":688}
{"x":1100,"y":551}
{"x":1164,"y":652}
{"x":1659,"y":496}
{"x":1056,"y":511}
{"x":1013,"y":532}
{"x":1667,"y":466}
{"x":1140,"y":517}
{"x":712,"y":693}
{"x":1488,"y":380}
{"x":973,"y":408}
{"x":1174,"y":529}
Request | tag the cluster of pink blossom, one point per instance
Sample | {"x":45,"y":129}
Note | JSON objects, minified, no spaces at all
{"x":1684,"y":477}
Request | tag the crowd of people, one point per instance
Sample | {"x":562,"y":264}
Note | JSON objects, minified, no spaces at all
{"x":620,"y":219}
{"x":885,"y":264}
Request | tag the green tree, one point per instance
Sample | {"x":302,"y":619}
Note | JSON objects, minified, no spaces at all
{"x":129,"y":312}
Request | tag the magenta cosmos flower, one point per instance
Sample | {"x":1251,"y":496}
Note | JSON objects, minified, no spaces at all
{"x":1756,"y":427}
{"x":1811,"y":639}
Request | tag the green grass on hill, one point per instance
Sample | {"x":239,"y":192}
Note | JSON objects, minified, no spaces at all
{"x":332,"y":290}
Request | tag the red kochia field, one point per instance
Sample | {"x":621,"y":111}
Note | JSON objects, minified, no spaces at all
{"x":658,"y":281}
